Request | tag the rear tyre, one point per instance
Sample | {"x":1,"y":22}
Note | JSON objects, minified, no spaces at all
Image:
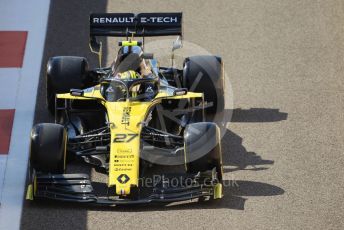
{"x":204,"y":74}
{"x":48,"y":148}
{"x":203,"y":148}
{"x":65,"y":73}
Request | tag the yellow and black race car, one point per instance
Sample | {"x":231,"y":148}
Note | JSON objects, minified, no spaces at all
{"x":130,"y":117}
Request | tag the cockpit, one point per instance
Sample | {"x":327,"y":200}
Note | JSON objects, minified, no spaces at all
{"x":143,"y":89}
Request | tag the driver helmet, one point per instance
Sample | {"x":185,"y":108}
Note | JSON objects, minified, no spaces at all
{"x":127,"y":75}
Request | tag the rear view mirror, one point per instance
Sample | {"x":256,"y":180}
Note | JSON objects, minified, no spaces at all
{"x":177,"y":44}
{"x":77,"y":92}
{"x":180,"y":92}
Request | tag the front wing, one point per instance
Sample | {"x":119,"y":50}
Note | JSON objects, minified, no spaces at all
{"x":78,"y":188}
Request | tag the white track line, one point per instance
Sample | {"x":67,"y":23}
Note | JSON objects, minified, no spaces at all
{"x":9,"y":79}
{"x":3,"y":159}
{"x":32,"y":17}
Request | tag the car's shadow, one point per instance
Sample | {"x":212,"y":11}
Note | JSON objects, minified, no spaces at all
{"x":257,"y":115}
{"x":236,"y":157}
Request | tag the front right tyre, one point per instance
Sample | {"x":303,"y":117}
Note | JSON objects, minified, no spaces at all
{"x":65,"y":73}
{"x":48,"y":148}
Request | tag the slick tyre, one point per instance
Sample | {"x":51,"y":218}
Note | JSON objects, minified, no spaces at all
{"x":202,"y":147}
{"x":48,"y":148}
{"x":65,"y":73}
{"x":204,"y":74}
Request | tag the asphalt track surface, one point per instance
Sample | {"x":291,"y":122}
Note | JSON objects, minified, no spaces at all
{"x":285,"y":145}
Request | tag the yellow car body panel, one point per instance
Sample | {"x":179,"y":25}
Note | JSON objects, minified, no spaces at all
{"x":125,"y":128}
{"x":125,"y":119}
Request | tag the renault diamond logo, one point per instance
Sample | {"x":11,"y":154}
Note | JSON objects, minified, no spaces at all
{"x":123,"y":178}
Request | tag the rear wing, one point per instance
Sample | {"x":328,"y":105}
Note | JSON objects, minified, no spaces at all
{"x":129,"y":25}
{"x":143,"y":24}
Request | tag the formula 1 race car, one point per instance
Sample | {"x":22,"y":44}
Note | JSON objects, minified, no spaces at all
{"x":127,"y":118}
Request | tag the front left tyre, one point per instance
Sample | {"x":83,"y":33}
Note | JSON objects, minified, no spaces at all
{"x":202,"y":148}
{"x":205,"y":74}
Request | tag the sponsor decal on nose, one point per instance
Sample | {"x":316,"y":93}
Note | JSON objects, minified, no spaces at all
{"x":123,"y":178}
